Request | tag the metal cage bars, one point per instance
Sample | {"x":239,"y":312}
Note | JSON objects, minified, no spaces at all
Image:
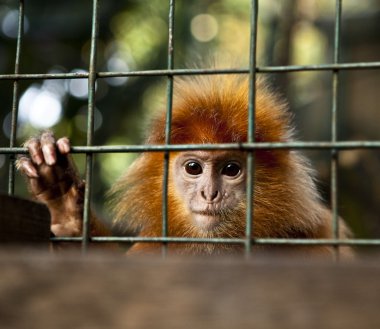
{"x":169,"y":107}
{"x":15,"y":99}
{"x":92,"y":75}
{"x":334,"y":118}
{"x":251,"y":128}
{"x":90,"y":126}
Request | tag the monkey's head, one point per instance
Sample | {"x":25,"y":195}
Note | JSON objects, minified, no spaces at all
{"x":212,"y":184}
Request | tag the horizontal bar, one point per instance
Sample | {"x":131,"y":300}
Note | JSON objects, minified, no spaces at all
{"x":269,"y":241}
{"x":38,"y":76}
{"x":320,"y":67}
{"x":319,"y":242}
{"x":150,"y":239}
{"x":344,"y":145}
{"x":263,"y":69}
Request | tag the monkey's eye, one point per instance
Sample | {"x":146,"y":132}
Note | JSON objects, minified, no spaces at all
{"x":193,"y":168}
{"x":231,"y":169}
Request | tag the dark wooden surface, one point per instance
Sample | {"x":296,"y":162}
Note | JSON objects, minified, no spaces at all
{"x":39,"y":290}
{"x":23,"y":221}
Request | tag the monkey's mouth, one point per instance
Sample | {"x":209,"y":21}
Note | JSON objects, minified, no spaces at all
{"x":206,"y":220}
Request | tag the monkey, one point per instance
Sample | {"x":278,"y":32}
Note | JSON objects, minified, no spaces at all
{"x":206,"y":189}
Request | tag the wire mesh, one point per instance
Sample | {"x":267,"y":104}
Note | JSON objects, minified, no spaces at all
{"x":93,"y":75}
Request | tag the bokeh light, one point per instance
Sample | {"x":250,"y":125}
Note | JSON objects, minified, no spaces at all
{"x":9,"y":25}
{"x":117,"y":64}
{"x":40,"y":107}
{"x":78,"y":88}
{"x":204,"y":27}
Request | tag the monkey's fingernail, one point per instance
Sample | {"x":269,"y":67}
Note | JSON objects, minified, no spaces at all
{"x":31,"y":171}
{"x":49,"y":155}
{"x":37,"y":159}
{"x":63,"y":146}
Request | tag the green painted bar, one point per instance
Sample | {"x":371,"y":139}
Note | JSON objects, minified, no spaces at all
{"x":251,"y":128}
{"x":90,"y":127}
{"x":15,"y":99}
{"x":262,"y":69}
{"x":341,"y":145}
{"x":266,"y":241}
{"x":334,"y":125}
{"x":169,"y":108}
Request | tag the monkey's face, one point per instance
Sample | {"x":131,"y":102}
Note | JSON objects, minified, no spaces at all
{"x":211,"y":184}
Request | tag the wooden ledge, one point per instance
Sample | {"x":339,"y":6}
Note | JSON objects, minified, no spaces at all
{"x":39,"y":290}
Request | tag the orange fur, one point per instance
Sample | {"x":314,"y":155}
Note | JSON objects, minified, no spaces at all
{"x":214,"y":109}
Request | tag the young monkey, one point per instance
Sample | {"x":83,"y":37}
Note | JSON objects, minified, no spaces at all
{"x":206,"y":189}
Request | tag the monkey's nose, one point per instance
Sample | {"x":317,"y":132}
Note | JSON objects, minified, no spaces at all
{"x":209,"y":196}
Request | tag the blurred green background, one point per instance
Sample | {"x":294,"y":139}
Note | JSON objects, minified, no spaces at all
{"x":133,"y":36}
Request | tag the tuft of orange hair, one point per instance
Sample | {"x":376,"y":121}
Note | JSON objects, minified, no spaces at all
{"x":214,"y":109}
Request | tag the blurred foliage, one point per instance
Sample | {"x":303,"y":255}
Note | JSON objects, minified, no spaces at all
{"x":133,"y":36}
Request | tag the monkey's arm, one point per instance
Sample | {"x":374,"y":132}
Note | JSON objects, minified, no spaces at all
{"x":53,"y":180}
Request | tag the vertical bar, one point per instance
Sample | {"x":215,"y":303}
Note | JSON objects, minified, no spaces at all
{"x":90,"y":127}
{"x":334,"y":108}
{"x":15,"y":100}
{"x":251,"y":128}
{"x":168,"y":121}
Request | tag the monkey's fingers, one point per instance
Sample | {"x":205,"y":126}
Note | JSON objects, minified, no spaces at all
{"x":34,"y":147}
{"x":46,"y":150}
{"x":26,"y":166}
{"x":36,"y":184}
{"x":42,"y":150}
{"x":63,"y":145}
{"x":48,"y":147}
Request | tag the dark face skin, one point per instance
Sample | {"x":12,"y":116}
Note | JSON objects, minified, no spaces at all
{"x":210,"y":183}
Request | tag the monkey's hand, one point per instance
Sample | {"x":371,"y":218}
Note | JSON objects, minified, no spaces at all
{"x":53,"y":180}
